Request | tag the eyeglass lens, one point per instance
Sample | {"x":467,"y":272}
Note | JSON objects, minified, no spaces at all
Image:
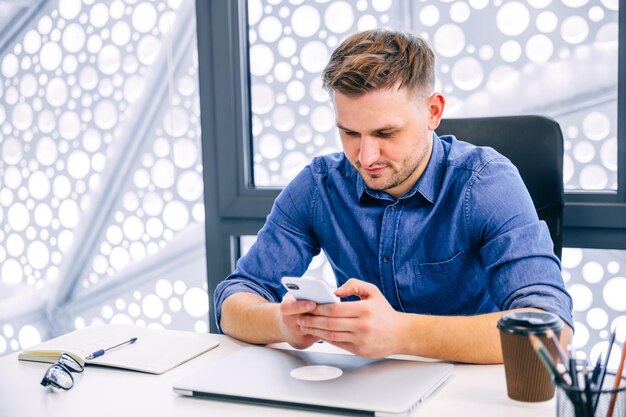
{"x":59,"y":375}
{"x":70,"y":363}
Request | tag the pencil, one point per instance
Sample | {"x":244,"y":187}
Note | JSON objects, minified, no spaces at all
{"x":559,"y":350}
{"x":543,"y":354}
{"x":618,"y":379}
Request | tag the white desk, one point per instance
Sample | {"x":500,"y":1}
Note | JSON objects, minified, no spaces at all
{"x":473,"y":390}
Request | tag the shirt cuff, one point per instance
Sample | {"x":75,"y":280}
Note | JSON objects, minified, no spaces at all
{"x":231,"y":286}
{"x":543,"y":297}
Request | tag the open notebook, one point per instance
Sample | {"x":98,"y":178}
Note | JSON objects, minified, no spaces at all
{"x":154,"y":352}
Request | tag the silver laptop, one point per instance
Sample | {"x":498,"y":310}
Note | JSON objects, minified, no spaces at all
{"x":316,"y":381}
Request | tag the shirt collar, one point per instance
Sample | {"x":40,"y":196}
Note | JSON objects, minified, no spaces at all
{"x":426,"y":186}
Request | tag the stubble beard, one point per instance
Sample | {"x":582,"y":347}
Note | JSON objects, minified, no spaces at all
{"x":396,"y":177}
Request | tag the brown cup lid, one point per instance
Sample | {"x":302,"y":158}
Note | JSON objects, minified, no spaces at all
{"x":529,"y":322}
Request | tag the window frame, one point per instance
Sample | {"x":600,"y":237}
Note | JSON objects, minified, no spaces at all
{"x":233,"y":207}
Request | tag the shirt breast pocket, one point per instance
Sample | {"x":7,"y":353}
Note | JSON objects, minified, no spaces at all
{"x":441,"y":268}
{"x":443,"y":288}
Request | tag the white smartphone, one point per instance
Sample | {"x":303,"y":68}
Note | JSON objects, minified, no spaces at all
{"x":307,"y":288}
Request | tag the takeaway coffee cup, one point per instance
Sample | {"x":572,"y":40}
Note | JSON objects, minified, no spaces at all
{"x":527,"y":379}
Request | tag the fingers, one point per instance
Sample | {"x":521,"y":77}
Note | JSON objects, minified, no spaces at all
{"x":331,"y":337}
{"x":290,"y":306}
{"x":349,"y":341}
{"x":325,"y":327}
{"x":309,"y":323}
{"x":345,"y":309}
{"x":323,"y":323}
{"x":361,"y":289}
{"x":289,"y":311}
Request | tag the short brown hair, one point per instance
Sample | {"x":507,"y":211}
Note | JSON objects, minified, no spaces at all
{"x":380,"y":59}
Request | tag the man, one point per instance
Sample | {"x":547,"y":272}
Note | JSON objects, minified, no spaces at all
{"x":430,"y":238}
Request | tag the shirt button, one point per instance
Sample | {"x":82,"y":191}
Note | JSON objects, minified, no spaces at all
{"x":386,"y":259}
{"x":393,"y":208}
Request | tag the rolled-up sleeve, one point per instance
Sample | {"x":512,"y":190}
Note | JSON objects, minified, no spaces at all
{"x":516,"y":250}
{"x":284,"y":246}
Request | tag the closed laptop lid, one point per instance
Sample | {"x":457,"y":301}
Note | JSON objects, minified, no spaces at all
{"x":290,"y":378}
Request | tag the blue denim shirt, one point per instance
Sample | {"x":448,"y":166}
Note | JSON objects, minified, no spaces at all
{"x":464,"y":240}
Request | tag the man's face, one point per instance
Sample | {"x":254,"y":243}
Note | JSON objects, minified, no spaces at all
{"x":387,"y":135}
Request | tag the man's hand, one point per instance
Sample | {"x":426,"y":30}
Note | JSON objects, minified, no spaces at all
{"x":368,"y":327}
{"x":290,"y":312}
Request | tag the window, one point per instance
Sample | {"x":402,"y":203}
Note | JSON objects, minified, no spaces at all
{"x":101,"y":193}
{"x":554,"y":58}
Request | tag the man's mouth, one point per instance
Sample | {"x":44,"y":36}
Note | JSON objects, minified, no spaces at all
{"x":374,"y":170}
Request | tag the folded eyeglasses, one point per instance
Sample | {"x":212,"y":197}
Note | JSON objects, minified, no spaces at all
{"x":59,"y":375}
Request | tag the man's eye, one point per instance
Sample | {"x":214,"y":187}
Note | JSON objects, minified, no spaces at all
{"x":385,"y":134}
{"x":347,"y":133}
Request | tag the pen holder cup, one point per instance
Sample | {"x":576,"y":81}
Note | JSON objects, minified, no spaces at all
{"x":576,"y":402}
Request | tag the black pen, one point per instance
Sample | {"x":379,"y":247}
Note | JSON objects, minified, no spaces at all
{"x":589,"y":398}
{"x":576,"y":397}
{"x":603,"y":374}
{"x":596,"y":370}
{"x":103,"y":351}
{"x":573,"y":371}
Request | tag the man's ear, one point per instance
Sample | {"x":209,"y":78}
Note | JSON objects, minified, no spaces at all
{"x":436,"y":103}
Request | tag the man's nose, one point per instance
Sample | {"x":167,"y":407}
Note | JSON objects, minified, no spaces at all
{"x":369,"y":152}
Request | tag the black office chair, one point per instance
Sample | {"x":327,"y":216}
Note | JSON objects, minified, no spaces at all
{"x":535,"y":146}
